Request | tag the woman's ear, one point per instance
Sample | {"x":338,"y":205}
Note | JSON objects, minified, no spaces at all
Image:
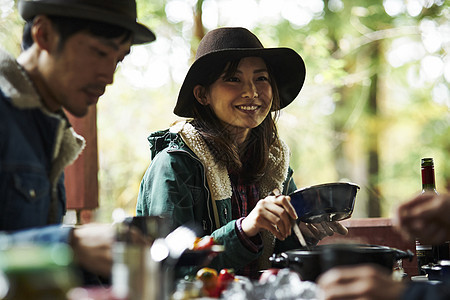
{"x":200,"y":94}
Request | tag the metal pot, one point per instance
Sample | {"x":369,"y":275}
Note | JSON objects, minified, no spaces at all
{"x":439,"y":271}
{"x":313,"y":262}
{"x":305,"y":262}
{"x":351,"y":254}
{"x":325,"y":202}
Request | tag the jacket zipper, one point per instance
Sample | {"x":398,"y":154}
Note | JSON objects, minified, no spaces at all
{"x":286,"y":187}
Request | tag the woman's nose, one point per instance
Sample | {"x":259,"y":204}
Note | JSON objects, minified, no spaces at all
{"x":250,"y":91}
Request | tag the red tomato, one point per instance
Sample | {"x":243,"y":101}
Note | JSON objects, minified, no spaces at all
{"x":225,"y":277}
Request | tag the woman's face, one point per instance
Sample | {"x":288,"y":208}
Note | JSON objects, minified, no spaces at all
{"x":242,"y":100}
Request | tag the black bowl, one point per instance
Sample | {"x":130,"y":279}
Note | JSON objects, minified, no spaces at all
{"x":325,"y":202}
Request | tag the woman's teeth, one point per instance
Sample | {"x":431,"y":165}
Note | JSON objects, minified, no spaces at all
{"x":254,"y":107}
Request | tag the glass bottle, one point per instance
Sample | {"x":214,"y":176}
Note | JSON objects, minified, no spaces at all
{"x":438,"y":252}
{"x":427,"y":172}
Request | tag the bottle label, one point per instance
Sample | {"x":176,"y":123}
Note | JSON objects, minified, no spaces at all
{"x":428,"y":177}
{"x":423,"y":247}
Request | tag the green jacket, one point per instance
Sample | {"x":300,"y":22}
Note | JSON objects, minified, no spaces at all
{"x":184,"y":183}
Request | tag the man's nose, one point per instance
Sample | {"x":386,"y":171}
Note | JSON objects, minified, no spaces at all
{"x":107,"y":72}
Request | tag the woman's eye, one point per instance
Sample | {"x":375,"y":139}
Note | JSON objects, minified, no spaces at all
{"x":231,"y":79}
{"x":262,"y":78}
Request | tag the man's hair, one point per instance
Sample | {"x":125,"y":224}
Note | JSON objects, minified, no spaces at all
{"x":67,"y":27}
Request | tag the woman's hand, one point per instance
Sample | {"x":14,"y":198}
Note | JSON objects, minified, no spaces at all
{"x":368,"y":282}
{"x":272,"y":213}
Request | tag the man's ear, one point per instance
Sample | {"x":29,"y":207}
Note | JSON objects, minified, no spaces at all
{"x":43,"y":33}
{"x":200,"y":94}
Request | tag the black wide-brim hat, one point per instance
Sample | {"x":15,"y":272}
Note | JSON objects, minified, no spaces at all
{"x":231,"y":43}
{"x":120,"y":13}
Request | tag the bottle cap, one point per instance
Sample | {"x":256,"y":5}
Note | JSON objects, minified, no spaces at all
{"x":427,"y":161}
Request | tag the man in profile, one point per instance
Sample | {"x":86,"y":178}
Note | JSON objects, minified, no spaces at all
{"x":71,"y":49}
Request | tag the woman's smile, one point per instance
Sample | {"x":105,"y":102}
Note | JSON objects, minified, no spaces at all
{"x":248,"y":107}
{"x":243,"y":99}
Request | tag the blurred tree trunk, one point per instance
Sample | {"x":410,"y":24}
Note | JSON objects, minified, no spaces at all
{"x":338,"y":153}
{"x":341,"y":162}
{"x":199,"y":30}
{"x":344,"y":104}
{"x":373,"y":133}
{"x":369,"y":57}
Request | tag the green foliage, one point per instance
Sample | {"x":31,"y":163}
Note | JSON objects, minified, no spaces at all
{"x":10,"y":29}
{"x":329,"y":128}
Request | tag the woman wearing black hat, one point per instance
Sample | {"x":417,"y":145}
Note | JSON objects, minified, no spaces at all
{"x":219,"y":169}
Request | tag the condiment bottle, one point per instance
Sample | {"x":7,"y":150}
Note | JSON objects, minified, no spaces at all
{"x":424,"y":254}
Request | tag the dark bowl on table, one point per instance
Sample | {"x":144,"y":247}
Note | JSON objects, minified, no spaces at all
{"x":325,"y":202}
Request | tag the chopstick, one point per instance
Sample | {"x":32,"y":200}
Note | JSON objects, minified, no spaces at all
{"x":294,"y":224}
{"x":298,"y":233}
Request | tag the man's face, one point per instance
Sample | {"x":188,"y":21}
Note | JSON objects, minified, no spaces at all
{"x":77,"y":75}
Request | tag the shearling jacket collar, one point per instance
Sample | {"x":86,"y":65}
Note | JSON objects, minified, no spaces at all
{"x":217,"y":174}
{"x":16,"y":85}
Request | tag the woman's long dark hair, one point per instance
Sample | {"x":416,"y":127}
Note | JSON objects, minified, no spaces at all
{"x":249,"y":161}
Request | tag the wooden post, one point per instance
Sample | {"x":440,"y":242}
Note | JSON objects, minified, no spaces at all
{"x":81,"y":177}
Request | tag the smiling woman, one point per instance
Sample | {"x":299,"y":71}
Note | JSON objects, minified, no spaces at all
{"x":219,"y":170}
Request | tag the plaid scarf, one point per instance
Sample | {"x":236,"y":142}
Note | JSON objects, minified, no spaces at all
{"x":243,"y":200}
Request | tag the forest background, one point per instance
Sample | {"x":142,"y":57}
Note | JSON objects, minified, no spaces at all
{"x":376,"y":98}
